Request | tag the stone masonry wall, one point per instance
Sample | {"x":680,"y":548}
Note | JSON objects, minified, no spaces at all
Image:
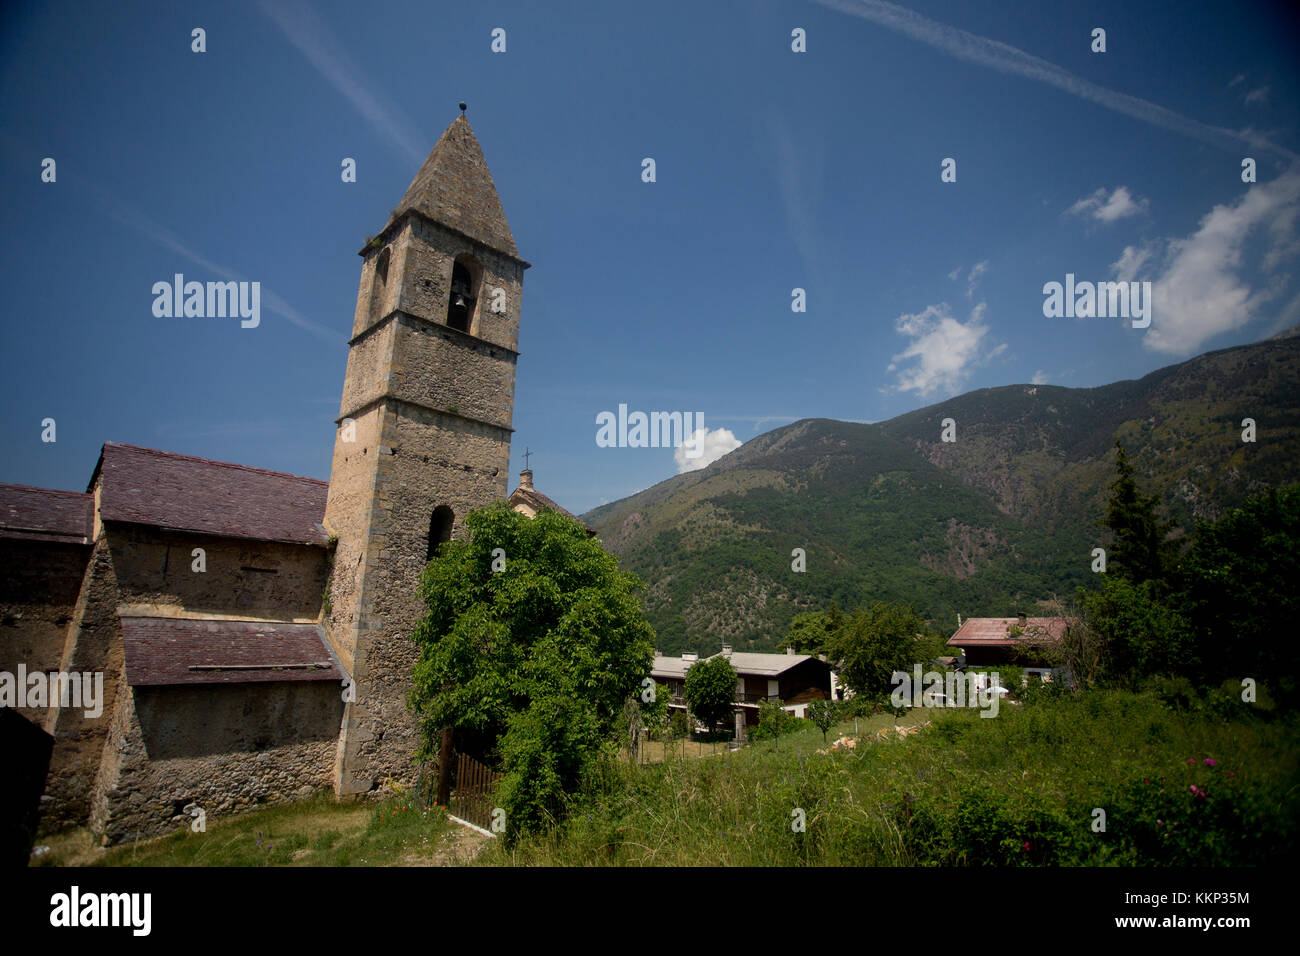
{"x":38,"y":593}
{"x":226,"y":748}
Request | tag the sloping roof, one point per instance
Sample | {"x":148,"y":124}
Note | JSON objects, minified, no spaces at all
{"x":178,"y":492}
{"x":537,"y":501}
{"x":758,"y":665}
{"x":455,"y":188}
{"x":669,"y":666}
{"x":766,"y":665}
{"x":995,"y":631}
{"x":44,"y":514}
{"x":173,"y":651}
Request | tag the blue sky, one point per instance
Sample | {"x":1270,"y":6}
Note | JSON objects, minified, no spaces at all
{"x":775,"y":170}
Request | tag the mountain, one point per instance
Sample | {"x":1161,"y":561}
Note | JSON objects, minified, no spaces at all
{"x":986,"y":525}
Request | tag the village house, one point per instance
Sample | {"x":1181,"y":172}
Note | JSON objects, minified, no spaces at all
{"x":1029,"y":643}
{"x":793,"y":680}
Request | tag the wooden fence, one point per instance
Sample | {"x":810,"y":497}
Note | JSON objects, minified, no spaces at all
{"x":471,"y":800}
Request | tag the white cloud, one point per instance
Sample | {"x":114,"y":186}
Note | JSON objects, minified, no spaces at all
{"x":1130,"y":262}
{"x":1198,"y":289}
{"x":1040,"y":378}
{"x":1259,"y":96}
{"x":945,"y":350}
{"x":1118,"y":205}
{"x":976,"y":272}
{"x":954,"y":274}
{"x":996,"y":55}
{"x":1239,"y":78}
{"x":714,"y":442}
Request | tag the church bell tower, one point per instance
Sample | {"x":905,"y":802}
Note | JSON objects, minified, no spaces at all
{"x":423,"y":433}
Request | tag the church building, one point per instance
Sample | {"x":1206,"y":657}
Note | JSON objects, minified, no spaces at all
{"x":252,"y":629}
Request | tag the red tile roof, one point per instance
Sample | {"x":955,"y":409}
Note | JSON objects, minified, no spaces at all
{"x":171,"y":651}
{"x":45,"y":515}
{"x":179,"y":492}
{"x":993,"y":631}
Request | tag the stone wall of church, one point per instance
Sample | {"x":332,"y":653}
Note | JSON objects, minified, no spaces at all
{"x":441,"y":368}
{"x":430,"y":459}
{"x":149,"y":572}
{"x":367,"y":374}
{"x":224,"y":748}
{"x":39,"y":581}
{"x":428,"y":252}
{"x":348,"y":515}
{"x":93,"y":645}
{"x":242,"y":579}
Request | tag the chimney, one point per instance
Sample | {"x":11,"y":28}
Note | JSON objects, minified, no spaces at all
{"x":726,"y":650}
{"x":790,"y":651}
{"x":690,"y":656}
{"x":1022,"y":618}
{"x":526,"y":479}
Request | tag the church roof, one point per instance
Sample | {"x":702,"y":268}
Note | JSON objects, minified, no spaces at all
{"x":455,"y":188}
{"x":535,"y":501}
{"x":43,"y":514}
{"x":182,"y":493}
{"x":171,"y":651}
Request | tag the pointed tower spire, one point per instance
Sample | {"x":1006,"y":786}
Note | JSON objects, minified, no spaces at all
{"x":454,"y":187}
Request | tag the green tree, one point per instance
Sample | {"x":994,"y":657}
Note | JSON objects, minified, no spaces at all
{"x":710,"y":690}
{"x":534,"y":662}
{"x":822,"y":713}
{"x":773,"y":721}
{"x":1141,"y":634}
{"x":875,"y":641}
{"x":1140,"y":550}
{"x":654,"y":713}
{"x":1239,"y":588}
{"x":810,"y":633}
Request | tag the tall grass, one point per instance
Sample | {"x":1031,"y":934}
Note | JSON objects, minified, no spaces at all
{"x":1023,"y":788}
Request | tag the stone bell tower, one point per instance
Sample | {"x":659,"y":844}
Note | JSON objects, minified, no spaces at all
{"x":423,"y":432}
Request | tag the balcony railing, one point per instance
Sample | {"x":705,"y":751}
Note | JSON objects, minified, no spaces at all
{"x":680,"y":701}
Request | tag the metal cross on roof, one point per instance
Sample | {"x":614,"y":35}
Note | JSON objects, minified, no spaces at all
{"x":526,"y":454}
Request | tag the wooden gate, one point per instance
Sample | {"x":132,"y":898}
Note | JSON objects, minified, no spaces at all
{"x":471,"y":800}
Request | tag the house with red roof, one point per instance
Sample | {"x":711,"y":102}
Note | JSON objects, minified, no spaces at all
{"x":1026,"y":642}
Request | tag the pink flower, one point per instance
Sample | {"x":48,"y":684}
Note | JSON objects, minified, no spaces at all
{"x":1211,"y":762}
{"x":1191,"y":760}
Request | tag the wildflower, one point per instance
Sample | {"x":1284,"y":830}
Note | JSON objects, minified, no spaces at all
{"x":1211,"y":762}
{"x":1028,"y":846}
{"x":1191,"y":760}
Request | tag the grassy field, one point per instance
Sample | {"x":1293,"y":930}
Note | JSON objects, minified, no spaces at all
{"x":657,"y":751}
{"x":1109,"y":778}
{"x":315,"y":832}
